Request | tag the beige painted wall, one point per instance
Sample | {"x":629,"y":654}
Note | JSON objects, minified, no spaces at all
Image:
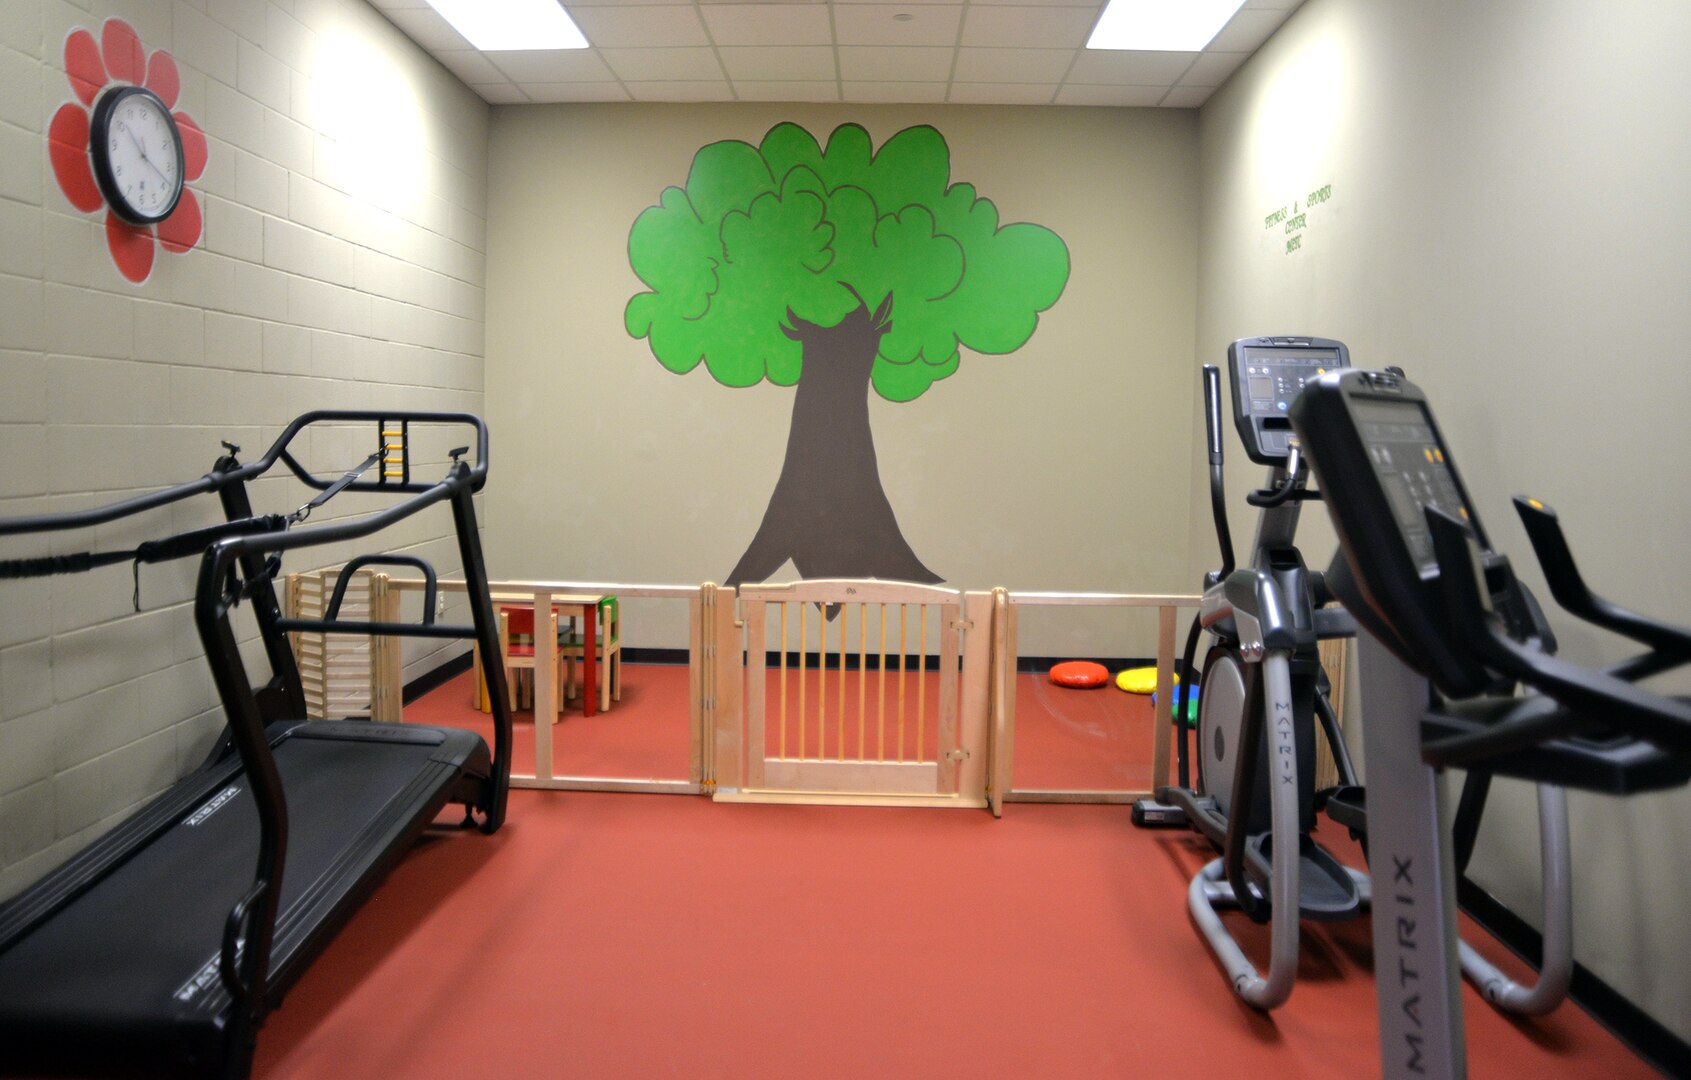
{"x":1059,"y":466}
{"x":1510,"y":222}
{"x":340,"y":267}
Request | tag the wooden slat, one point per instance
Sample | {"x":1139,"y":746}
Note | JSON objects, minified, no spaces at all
{"x":922,"y":687}
{"x":1003,"y":745}
{"x":826,"y":798}
{"x":946,"y":722}
{"x":1063,"y":599}
{"x":606,"y":783}
{"x":839,"y":712}
{"x":1160,"y":722}
{"x":902,"y":655}
{"x":700,"y":747}
{"x":974,"y":693}
{"x":728,"y":692}
{"x":878,"y":777}
{"x":756,"y":644}
{"x":783,"y":678}
{"x":862,"y":678}
{"x":832,"y":590}
{"x":804,"y":625}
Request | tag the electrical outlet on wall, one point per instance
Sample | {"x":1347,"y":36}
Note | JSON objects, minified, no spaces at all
{"x":439,"y":604}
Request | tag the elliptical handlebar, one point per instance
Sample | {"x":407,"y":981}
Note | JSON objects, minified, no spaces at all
{"x":1585,"y":693}
{"x":1568,"y":586}
{"x":1218,"y":479}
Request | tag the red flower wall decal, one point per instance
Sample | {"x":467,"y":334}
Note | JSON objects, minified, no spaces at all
{"x":119,"y":57}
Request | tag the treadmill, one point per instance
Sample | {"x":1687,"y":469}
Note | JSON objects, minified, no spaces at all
{"x":159,"y":949}
{"x":1447,"y":635}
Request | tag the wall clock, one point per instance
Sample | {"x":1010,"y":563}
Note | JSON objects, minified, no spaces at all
{"x":137,"y":152}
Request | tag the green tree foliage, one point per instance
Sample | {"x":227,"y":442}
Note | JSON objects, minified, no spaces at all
{"x":788,"y":226}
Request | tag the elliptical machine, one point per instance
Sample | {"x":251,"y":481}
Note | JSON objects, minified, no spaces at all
{"x":1263,"y":690}
{"x":1273,"y":610}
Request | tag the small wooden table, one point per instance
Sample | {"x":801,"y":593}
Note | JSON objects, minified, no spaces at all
{"x":546,"y":655}
{"x":540,"y":595}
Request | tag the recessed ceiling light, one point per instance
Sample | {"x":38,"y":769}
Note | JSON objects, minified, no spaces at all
{"x":501,"y":25}
{"x":1161,"y":25}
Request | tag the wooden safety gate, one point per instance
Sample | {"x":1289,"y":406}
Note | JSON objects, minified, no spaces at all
{"x":863,"y":691}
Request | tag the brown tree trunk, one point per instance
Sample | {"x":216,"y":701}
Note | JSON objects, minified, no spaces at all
{"x":828,"y":513}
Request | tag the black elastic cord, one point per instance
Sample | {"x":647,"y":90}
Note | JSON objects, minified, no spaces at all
{"x":337,"y":487}
{"x":60,"y":564}
{"x":170,"y":547}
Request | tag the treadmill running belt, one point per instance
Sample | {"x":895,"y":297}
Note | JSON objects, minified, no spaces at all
{"x":136,"y":956}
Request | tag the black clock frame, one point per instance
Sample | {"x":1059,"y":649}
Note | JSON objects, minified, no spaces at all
{"x":99,"y":127}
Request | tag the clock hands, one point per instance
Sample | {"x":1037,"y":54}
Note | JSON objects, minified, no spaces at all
{"x":143,"y":152}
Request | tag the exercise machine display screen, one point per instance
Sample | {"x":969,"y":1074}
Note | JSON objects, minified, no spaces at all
{"x":1407,"y":458}
{"x":1268,"y":374}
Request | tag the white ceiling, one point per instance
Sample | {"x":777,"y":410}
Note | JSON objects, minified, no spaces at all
{"x":1019,"y":52}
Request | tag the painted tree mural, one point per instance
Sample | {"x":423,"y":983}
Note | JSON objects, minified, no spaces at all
{"x":837,"y":269}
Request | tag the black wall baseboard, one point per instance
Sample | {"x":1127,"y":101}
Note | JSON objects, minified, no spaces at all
{"x":1640,"y":1031}
{"x":429,"y":680}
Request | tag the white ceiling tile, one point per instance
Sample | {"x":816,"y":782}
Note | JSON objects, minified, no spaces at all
{"x":966,"y":93}
{"x":768,"y":24}
{"x":1130,"y":68}
{"x":1187,"y":97}
{"x":1029,"y":27}
{"x":689,"y":64}
{"x":469,"y":65}
{"x":792,"y":50}
{"x":681,"y":90}
{"x":921,"y":92}
{"x":768,"y":62}
{"x":642,"y":27}
{"x":1247,"y":30}
{"x":874,"y":63}
{"x":502,"y":93}
{"x":550,"y":65}
{"x":786,"y":90}
{"x":576,"y":91}
{"x":1212,"y":69}
{"x":878,"y":24}
{"x":1111,"y":95}
{"x":426,"y":27}
{"x":1013,"y":65}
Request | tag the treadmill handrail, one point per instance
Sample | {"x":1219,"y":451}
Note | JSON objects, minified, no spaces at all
{"x":246,"y":975}
{"x":228,"y":471}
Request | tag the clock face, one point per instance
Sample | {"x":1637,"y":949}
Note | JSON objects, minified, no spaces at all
{"x":137,"y":154}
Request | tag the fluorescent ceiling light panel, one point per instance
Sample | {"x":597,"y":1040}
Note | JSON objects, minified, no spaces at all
{"x":1159,"y":25}
{"x":501,"y":25}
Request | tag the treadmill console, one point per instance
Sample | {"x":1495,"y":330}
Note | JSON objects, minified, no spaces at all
{"x":1268,"y":373}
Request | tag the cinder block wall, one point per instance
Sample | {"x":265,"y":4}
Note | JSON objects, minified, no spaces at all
{"x":341,"y":265}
